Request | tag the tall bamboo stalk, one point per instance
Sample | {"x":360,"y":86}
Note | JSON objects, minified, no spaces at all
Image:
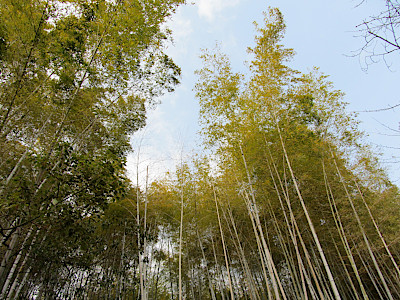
{"x":212,"y":292}
{"x":270,"y":263}
{"x":342,"y":234}
{"x":14,"y":266}
{"x":180,"y":236}
{"x":378,"y":231}
{"x":296,"y":232}
{"x":223,"y":245}
{"x":378,"y":269}
{"x":311,"y":225}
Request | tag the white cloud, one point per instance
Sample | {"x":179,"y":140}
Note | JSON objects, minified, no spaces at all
{"x":209,"y":8}
{"x":182,"y":29}
{"x":152,"y":148}
{"x":159,"y":147}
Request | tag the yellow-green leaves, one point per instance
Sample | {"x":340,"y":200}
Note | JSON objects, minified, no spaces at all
{"x":219,"y":91}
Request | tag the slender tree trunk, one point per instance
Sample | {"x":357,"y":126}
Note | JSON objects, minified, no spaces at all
{"x":223,"y":246}
{"x":311,"y":225}
{"x":370,"y":274}
{"x":382,"y":278}
{"x":218,"y":270}
{"x":270,"y":263}
{"x":145,"y":290}
{"x":342,"y":234}
{"x":245,"y":265}
{"x":379,"y":232}
{"x":170,"y":270}
{"x":296,"y":231}
{"x":180,"y":237}
{"x":205,"y":261}
{"x":8,"y":253}
{"x":14,"y":266}
{"x":122,"y":265}
{"x":259,"y":246}
{"x":21,"y":268}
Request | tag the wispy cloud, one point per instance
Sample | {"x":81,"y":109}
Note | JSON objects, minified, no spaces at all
{"x":182,"y":29}
{"x":210,"y":8}
{"x":180,"y":25}
{"x":160,"y":146}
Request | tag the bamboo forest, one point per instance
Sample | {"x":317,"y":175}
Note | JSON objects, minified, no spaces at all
{"x":286,"y":200}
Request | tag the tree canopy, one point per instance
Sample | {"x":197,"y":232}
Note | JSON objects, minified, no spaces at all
{"x":285,"y":202}
{"x":76,"y":80}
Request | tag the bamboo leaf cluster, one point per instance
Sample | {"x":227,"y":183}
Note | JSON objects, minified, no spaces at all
{"x":76,"y":79}
{"x":286,"y":202}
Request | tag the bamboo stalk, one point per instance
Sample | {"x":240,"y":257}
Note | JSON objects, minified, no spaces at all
{"x":296,"y":231}
{"x":379,"y":232}
{"x":342,"y":235}
{"x":180,"y":239}
{"x":311,"y":225}
{"x":270,"y":263}
{"x":223,"y":245}
{"x":207,"y":271}
{"x":219,"y":272}
{"x":382,"y":278}
{"x":249,"y":278}
{"x":259,"y":246}
{"x":14,"y":266}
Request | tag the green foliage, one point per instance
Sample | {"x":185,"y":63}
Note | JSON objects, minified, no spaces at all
{"x":288,"y":202}
{"x":76,"y":79}
{"x":287,"y":165}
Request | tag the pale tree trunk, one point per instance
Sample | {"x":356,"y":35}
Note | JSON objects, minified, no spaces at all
{"x":249,"y":280}
{"x":21,"y":285}
{"x":180,"y":245}
{"x":21,"y":268}
{"x":218,"y":270}
{"x":379,"y":232}
{"x":170,"y":269}
{"x":353,"y":288}
{"x":14,"y":266}
{"x":270,"y":263}
{"x":8,"y":253}
{"x":297,"y":231}
{"x":311,"y":225}
{"x":142,"y":293}
{"x":342,"y":234}
{"x":371,"y":275}
{"x":223,"y":246}
{"x":303,"y":274}
{"x":145,"y":290}
{"x":259,"y":246}
{"x":205,"y":261}
{"x":382,"y":278}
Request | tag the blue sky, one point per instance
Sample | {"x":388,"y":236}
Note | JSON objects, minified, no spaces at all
{"x":322,"y":33}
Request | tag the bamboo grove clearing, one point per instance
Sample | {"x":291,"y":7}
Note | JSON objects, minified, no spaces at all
{"x":285,"y":202}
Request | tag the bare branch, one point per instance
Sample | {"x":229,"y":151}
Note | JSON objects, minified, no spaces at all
{"x":380,"y":34}
{"x":379,"y":109}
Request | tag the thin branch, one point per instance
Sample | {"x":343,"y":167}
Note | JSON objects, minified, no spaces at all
{"x":378,"y":110}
